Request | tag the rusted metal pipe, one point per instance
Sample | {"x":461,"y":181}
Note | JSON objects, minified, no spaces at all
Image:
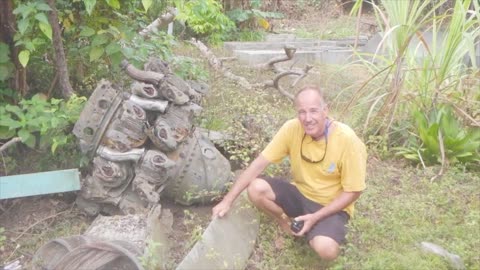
{"x":141,"y":75}
{"x":149,"y":104}
{"x":112,"y":155}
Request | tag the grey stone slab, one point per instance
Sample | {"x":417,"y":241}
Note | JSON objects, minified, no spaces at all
{"x":228,"y":242}
{"x":327,"y":56}
{"x":276,"y":45}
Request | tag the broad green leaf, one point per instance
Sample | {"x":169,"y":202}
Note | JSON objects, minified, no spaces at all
{"x":99,"y":40}
{"x":112,"y":48}
{"x":29,"y":45}
{"x":23,"y":57}
{"x":41,"y":17}
{"x":6,"y":133}
{"x":20,"y":9}
{"x":43,"y":7}
{"x":96,"y":53}
{"x":10,"y":123}
{"x":116,"y":59}
{"x":146,"y":4}
{"x":46,"y":29}
{"x":87,"y":32}
{"x":89,"y":5}
{"x":15,"y":109}
{"x":24,"y":134}
{"x":23,"y":25}
{"x":113,"y":3}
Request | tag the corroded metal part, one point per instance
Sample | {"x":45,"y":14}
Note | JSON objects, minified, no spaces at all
{"x":198,"y":86}
{"x":125,"y":131}
{"x":146,"y":146}
{"x":149,"y":104}
{"x":158,"y":65}
{"x":152,"y":174}
{"x":112,"y":155}
{"x":149,"y":91}
{"x":173,"y":94}
{"x":172,"y":81}
{"x":202,"y":172}
{"x":145,"y":90}
{"x":131,"y":203}
{"x":111,"y":174}
{"x":162,"y":135}
{"x":96,"y":116}
{"x":141,"y":75}
{"x":156,"y":168}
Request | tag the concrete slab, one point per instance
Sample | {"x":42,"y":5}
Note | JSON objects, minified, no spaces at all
{"x":276,"y":45}
{"x":329,"y":56}
{"x":227,"y":243}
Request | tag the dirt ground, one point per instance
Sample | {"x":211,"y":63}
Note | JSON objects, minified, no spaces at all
{"x":31,"y":222}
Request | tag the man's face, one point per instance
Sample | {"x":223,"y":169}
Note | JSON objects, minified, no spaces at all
{"x":312,"y":113}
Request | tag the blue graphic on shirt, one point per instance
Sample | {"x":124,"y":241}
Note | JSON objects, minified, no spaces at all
{"x":331,"y":168}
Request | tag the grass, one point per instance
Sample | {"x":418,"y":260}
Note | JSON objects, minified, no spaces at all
{"x":341,"y":27}
{"x":400,"y":209}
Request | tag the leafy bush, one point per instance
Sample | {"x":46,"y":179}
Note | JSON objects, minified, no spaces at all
{"x":459,"y":144}
{"x":40,"y":122}
{"x":404,"y":81}
{"x":189,"y":68}
{"x":205,"y":18}
{"x":253,"y":17}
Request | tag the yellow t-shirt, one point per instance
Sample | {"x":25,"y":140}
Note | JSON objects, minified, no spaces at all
{"x":343,"y":168}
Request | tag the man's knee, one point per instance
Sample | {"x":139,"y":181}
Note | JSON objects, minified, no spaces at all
{"x":259,"y":189}
{"x":327,"y":248}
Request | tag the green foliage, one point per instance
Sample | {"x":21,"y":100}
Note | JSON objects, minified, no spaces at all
{"x":253,"y":17}
{"x":247,"y":120}
{"x":247,"y":35}
{"x":31,"y":20}
{"x":115,"y":4}
{"x":402,"y":82}
{"x":149,"y":259}
{"x":401,"y":208}
{"x":2,"y":238}
{"x":205,"y":18}
{"x":6,"y":65}
{"x":189,"y":68}
{"x":40,"y":122}
{"x":460,"y":144}
{"x":139,"y":50}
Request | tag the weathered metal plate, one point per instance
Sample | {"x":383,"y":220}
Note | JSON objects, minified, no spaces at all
{"x":39,"y":183}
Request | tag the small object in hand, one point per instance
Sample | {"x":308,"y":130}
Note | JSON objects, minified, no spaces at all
{"x":296,"y":226}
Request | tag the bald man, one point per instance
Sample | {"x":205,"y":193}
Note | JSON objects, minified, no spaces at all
{"x":328,"y":164}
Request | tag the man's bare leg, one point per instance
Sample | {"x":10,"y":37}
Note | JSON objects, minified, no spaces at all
{"x":262,"y":196}
{"x":327,"y":248}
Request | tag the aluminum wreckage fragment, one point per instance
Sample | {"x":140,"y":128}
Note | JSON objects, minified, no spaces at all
{"x":144,"y":145}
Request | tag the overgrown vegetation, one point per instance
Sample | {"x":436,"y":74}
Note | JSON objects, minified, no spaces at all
{"x":426,"y":109}
{"x":416,"y":85}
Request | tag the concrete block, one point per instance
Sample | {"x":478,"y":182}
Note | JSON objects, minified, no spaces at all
{"x":228,"y":242}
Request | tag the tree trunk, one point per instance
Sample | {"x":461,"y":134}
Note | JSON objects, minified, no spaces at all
{"x":7,"y":31}
{"x":60,"y":60}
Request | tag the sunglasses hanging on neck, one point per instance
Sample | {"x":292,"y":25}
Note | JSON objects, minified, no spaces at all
{"x":325,"y":134}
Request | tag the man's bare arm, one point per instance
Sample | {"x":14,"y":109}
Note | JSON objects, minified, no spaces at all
{"x":247,"y":176}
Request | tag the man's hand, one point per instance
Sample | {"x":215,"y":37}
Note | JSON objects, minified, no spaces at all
{"x":221,"y":209}
{"x":308,"y":221}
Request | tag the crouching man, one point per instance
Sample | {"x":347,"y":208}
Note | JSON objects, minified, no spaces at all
{"x":328,"y":164}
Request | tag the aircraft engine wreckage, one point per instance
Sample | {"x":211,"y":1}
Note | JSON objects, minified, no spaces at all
{"x":144,"y":145}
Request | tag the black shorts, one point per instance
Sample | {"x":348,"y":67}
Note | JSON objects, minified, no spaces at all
{"x":294,"y":204}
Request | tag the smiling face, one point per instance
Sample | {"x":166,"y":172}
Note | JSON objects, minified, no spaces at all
{"x":312,"y":112}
